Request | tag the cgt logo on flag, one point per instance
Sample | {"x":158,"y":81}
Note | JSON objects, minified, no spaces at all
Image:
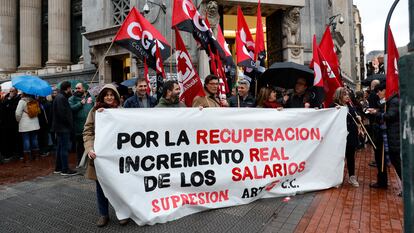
{"x":191,"y":12}
{"x":185,"y":68}
{"x":141,"y":38}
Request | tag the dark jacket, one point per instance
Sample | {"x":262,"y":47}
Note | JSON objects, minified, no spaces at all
{"x":298,"y":101}
{"x":351,"y":126}
{"x":8,"y":112}
{"x":164,"y":103}
{"x":62,"y":120}
{"x":136,"y":102}
{"x":249,"y":101}
{"x":392,"y":120}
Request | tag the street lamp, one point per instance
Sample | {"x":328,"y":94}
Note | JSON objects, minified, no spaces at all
{"x":146,"y":8}
{"x":333,"y":21}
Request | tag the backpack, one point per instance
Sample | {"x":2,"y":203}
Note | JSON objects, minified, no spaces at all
{"x":33,"y":108}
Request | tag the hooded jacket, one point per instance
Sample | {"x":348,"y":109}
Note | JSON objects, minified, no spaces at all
{"x":89,"y":135}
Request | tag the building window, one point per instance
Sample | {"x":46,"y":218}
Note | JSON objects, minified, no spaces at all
{"x":120,"y":10}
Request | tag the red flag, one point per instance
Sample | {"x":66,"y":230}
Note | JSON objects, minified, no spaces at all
{"x":138,"y":36}
{"x":318,"y":84}
{"x":146,"y":75}
{"x":160,"y":74}
{"x":259,"y":48}
{"x":188,"y":78}
{"x":244,"y":42}
{"x":213,"y":65}
{"x":222,"y":74}
{"x":316,"y":65}
{"x":330,"y":81}
{"x":392,"y":82}
{"x":328,"y":50}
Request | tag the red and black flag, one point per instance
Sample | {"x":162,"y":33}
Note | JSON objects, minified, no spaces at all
{"x":259,"y":48}
{"x":160,"y":74}
{"x":244,"y":42}
{"x":186,"y":17}
{"x":225,"y":51}
{"x":188,"y":78}
{"x":139,"y":36}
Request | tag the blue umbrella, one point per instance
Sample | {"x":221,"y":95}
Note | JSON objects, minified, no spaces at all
{"x":32,"y":85}
{"x":129,"y":82}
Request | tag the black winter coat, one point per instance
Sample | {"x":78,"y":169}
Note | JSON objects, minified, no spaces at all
{"x":8,"y":112}
{"x":351,"y":126}
{"x":392,"y":120}
{"x":62,"y":120}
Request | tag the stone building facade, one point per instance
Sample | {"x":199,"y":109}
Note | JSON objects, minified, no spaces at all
{"x":347,"y":34}
{"x":55,"y":39}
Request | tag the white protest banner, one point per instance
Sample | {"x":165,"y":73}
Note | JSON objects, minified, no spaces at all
{"x":157,"y":165}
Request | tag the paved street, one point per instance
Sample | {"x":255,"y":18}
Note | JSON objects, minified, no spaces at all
{"x":52,"y":203}
{"x":57,"y":204}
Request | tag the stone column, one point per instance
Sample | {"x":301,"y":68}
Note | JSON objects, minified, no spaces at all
{"x":59,"y":33}
{"x":8,"y":17}
{"x":30,"y":34}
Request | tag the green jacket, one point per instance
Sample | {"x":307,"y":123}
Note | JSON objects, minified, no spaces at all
{"x":80,"y":111}
{"x":164,"y":103}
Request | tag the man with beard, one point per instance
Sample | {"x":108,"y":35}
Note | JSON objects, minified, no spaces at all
{"x":170,"y":95}
{"x":10,"y":139}
{"x":81,"y":103}
{"x":211,"y":99}
{"x":62,"y":125}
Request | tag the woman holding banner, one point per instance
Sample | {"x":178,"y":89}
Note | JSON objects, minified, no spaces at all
{"x":108,"y":97}
{"x":341,"y":98}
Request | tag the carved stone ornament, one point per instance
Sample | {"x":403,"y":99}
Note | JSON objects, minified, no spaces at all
{"x":291,"y":27}
{"x":210,"y":8}
{"x":296,"y":52}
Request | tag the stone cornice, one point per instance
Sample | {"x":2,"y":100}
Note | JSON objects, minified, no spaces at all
{"x":103,"y":36}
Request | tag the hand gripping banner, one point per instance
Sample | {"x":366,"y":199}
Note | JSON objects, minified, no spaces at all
{"x":179,"y":161}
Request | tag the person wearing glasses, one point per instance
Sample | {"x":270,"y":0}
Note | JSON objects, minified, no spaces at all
{"x":211,"y":99}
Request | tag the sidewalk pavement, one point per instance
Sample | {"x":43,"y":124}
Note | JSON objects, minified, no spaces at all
{"x":53,"y":203}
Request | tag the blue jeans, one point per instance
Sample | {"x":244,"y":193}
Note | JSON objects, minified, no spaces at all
{"x":103,"y":203}
{"x":62,"y":151}
{"x":30,"y":141}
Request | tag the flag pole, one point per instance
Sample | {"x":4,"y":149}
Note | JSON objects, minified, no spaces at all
{"x":171,"y":54}
{"x":101,"y":62}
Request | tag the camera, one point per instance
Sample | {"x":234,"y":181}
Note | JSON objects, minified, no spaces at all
{"x":341,"y":20}
{"x":146,"y":9}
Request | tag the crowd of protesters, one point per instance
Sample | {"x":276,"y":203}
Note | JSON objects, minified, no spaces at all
{"x":32,"y":127}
